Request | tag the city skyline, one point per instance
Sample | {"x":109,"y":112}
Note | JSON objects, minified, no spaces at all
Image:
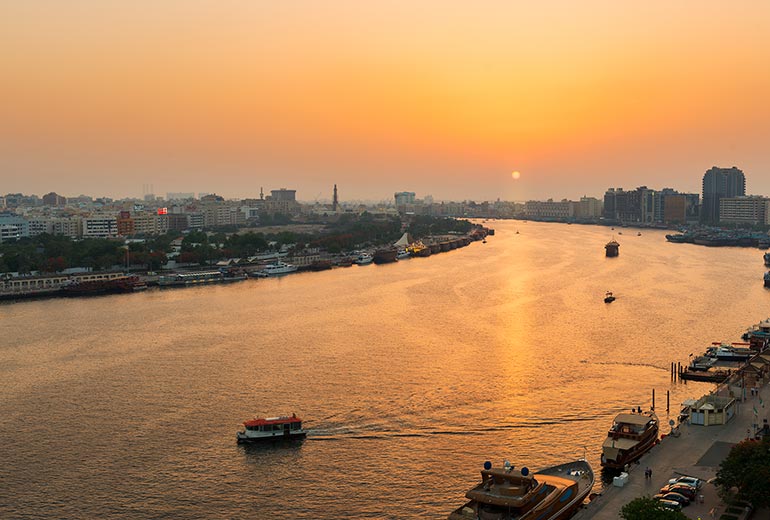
{"x":441,"y":99}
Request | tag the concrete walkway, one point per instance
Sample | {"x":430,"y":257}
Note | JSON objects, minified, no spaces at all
{"x":696,"y":452}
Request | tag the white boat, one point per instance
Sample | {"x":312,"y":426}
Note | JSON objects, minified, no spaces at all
{"x":403,"y":254}
{"x":508,"y":494}
{"x":279,"y":268}
{"x":725,"y":352}
{"x":276,"y":428}
{"x":364,"y":259}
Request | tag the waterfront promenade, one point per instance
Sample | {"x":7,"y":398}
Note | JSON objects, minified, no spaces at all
{"x":696,"y":452}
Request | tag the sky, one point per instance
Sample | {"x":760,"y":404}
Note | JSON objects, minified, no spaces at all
{"x":438,"y":97}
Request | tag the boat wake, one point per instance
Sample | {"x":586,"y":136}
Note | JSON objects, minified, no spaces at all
{"x":373,"y":433}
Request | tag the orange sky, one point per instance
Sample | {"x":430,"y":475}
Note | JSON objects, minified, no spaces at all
{"x":441,"y":98}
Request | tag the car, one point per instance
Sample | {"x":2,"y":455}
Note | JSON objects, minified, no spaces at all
{"x":676,"y":497}
{"x":687,"y":491}
{"x":670,"y":504}
{"x":689,"y":481}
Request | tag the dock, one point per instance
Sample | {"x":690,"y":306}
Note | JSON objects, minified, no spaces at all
{"x":697,"y":452}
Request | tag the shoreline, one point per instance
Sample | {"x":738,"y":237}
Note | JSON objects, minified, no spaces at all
{"x":229,"y":274}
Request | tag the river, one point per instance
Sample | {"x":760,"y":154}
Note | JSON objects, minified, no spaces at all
{"x":408,"y":375}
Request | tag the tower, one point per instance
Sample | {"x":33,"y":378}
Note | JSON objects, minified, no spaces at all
{"x":720,"y":183}
{"x":335,"y":201}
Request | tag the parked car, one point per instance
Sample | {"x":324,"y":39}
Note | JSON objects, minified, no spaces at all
{"x":690,"y":481}
{"x":670,"y":504}
{"x":676,"y":497}
{"x":687,"y":491}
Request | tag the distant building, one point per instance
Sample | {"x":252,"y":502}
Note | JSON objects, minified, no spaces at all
{"x":752,"y":210}
{"x":282,"y":201}
{"x":549,"y":209}
{"x":179,"y":196}
{"x":624,"y":206}
{"x":13,"y":227}
{"x":719,"y":183}
{"x":588,"y":208}
{"x":404,"y":197}
{"x":52,"y":199}
{"x":100,"y":226}
{"x":283,"y":195}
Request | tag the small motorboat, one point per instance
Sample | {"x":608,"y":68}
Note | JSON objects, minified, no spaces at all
{"x":608,"y":297}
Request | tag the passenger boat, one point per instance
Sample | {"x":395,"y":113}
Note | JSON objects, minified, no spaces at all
{"x":385,"y":256}
{"x":553,"y":493}
{"x":285,"y":427}
{"x":611,"y":248}
{"x":631,"y":436}
{"x":321,"y":265}
{"x":198,"y":278}
{"x":364,"y":259}
{"x":725,"y":352}
{"x":767,"y":279}
{"x":119,"y":285}
{"x":418,"y":249}
{"x":608,"y":297}
{"x":279,"y":268}
{"x":403,"y":254}
{"x":702,"y":363}
{"x":766,"y":257}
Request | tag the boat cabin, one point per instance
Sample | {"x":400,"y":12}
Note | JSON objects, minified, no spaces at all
{"x":273,"y":424}
{"x":630,"y":425}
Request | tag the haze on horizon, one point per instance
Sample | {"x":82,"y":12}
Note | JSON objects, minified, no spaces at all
{"x":439,"y":98}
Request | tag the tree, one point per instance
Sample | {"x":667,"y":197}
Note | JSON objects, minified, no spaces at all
{"x":646,"y":508}
{"x":747,"y":468}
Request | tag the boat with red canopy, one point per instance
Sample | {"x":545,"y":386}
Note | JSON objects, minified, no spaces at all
{"x":260,"y":429}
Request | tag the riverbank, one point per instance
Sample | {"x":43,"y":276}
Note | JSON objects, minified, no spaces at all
{"x":226,"y":271}
{"x":697,"y":452}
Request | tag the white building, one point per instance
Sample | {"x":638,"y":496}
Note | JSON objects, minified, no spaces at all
{"x":744,"y":210}
{"x":100,"y":226}
{"x":549,"y":209}
{"x":13,"y":227}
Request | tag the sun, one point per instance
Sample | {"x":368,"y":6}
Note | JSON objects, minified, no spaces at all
{"x":516,"y":175}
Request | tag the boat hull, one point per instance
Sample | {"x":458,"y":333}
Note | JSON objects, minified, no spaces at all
{"x":271,"y":436}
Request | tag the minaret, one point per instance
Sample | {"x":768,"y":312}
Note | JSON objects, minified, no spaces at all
{"x":335,"y":202}
{"x":261,"y":194}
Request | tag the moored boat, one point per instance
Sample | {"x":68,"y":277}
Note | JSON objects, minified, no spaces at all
{"x":385,"y":256}
{"x":767,"y":279}
{"x":729,"y":352}
{"x":631,"y":436}
{"x":364,"y":259}
{"x":119,"y":285}
{"x":279,"y":268}
{"x":553,"y":493}
{"x":262,"y":429}
{"x":198,"y":278}
{"x":766,"y":258}
{"x":701,"y":363}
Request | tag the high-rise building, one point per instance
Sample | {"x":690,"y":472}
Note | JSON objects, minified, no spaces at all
{"x":335,"y":202}
{"x":719,"y":183}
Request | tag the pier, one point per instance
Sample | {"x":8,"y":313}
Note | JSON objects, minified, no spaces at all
{"x":697,"y":452}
